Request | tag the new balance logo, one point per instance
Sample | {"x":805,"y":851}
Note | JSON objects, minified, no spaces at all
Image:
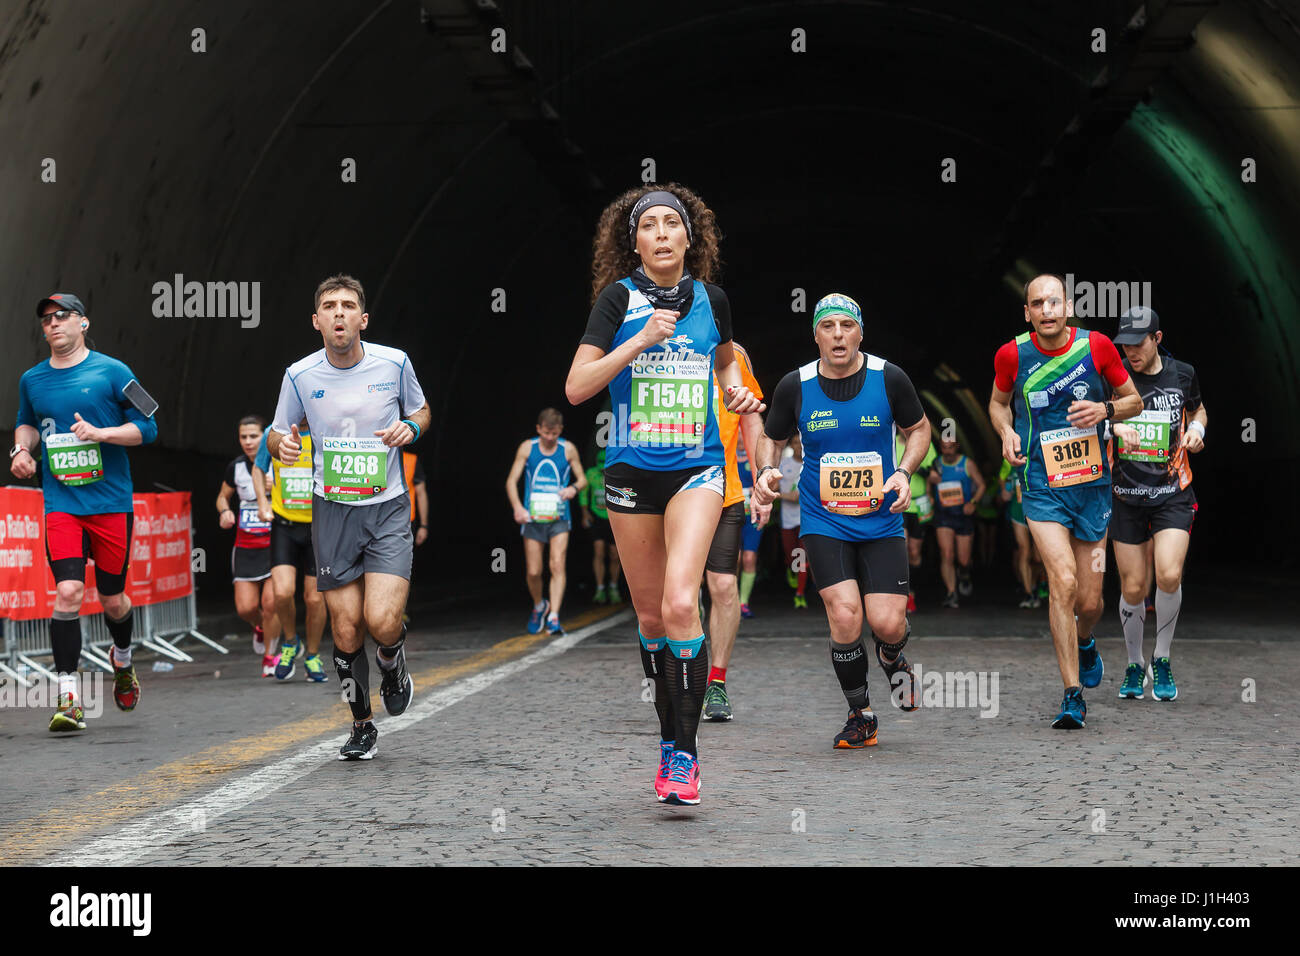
{"x":319,"y":393}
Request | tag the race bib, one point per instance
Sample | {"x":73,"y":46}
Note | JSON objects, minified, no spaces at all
{"x":1072,"y":456}
{"x":73,"y":461}
{"x":1152,"y":426}
{"x":355,"y":468}
{"x":924,"y":507}
{"x":295,"y":488}
{"x":544,"y":506}
{"x":951,"y":494}
{"x":669,"y":400}
{"x":851,"y":482}
{"x":251,"y":522}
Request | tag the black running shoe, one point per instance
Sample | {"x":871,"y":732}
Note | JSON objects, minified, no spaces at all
{"x":904,"y":691}
{"x":363,"y":744}
{"x":859,"y":731}
{"x":395,"y":686}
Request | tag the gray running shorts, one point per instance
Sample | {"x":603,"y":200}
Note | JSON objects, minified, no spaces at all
{"x":352,"y":540}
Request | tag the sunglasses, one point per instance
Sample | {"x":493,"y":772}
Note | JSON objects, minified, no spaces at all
{"x":61,"y":314}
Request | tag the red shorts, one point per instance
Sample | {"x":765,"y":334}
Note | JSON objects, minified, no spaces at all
{"x":70,"y":539}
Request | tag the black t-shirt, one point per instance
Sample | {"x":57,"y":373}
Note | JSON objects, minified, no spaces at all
{"x":610,"y":309}
{"x":1177,"y":390}
{"x":787,"y":401}
{"x":241,"y":479}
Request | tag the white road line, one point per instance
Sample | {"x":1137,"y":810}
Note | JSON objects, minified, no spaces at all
{"x":130,"y":843}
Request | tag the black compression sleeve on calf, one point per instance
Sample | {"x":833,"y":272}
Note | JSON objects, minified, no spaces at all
{"x":889,"y":652}
{"x":687,"y":680}
{"x":65,"y":641}
{"x":391,"y":650}
{"x":850,"y":663}
{"x":653,"y":664}
{"x":121,"y":630}
{"x":354,"y":678}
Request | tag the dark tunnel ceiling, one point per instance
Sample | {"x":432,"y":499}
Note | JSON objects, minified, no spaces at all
{"x":823,"y":168}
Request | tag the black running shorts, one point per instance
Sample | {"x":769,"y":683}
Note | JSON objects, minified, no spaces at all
{"x":879,"y":566}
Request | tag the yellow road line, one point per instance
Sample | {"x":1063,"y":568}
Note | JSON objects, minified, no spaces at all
{"x":30,"y":839}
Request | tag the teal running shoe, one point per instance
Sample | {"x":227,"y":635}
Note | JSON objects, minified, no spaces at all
{"x":1135,"y":676}
{"x":1073,"y":710}
{"x":1091,"y":668}
{"x":1162,"y":680}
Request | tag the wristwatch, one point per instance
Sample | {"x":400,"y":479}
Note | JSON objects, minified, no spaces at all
{"x":16,"y":449}
{"x":1110,"y":409}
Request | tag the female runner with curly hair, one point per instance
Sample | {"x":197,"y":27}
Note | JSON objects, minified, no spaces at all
{"x":657,"y":332}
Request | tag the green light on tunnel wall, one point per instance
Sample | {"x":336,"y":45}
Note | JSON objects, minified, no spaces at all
{"x":1229,"y":210}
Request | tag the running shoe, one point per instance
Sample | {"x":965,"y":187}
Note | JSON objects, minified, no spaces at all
{"x":287,"y":665}
{"x":554,"y":627}
{"x":268,"y":665}
{"x":1042,"y":591}
{"x":1028,"y":601}
{"x":911,"y":603}
{"x":538,"y":617}
{"x":964,"y":587}
{"x":126,"y":688}
{"x":1073,"y":710}
{"x":1162,"y":680}
{"x":666,"y":748}
{"x":904,"y":691}
{"x":315,"y":669}
{"x":1135,"y":675}
{"x":717,"y":706}
{"x":950,"y":600}
{"x":600,"y":597}
{"x":69,"y":716}
{"x":363,"y":742}
{"x":745,"y":612}
{"x":614,"y":596}
{"x":682,"y":784}
{"x":791,"y":578}
{"x":800,"y":601}
{"x":1091,"y":667}
{"x":859,"y":731}
{"x":259,"y":641}
{"x":395,"y":684}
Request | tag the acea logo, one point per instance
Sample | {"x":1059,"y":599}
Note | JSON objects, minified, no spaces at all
{"x":382,"y":387}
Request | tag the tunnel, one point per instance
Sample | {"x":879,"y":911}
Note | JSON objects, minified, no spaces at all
{"x":924,"y":157}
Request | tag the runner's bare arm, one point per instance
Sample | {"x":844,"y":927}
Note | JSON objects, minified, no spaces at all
{"x":751,"y":432}
{"x":1126,"y":400}
{"x":1000,"y":416}
{"x":512,"y":480}
{"x":592,"y":369}
{"x":575,"y":463}
{"x":28,"y":437}
{"x":1192,"y":439}
{"x":918,"y":441}
{"x":767,"y":485}
{"x":223,"y":505}
{"x":735,"y":394}
{"x":977,"y":478}
{"x":126,"y":434}
{"x":399,"y":433}
{"x":259,"y":487}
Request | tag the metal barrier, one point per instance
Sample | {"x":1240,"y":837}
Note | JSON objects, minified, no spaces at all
{"x":158,"y":627}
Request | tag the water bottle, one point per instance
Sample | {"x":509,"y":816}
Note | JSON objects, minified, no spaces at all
{"x":162,"y":666}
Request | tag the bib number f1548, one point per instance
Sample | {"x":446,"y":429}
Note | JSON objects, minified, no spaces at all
{"x":670,"y":400}
{"x":354,"y":468}
{"x":73,"y":461}
{"x":852,"y":482}
{"x":1072,"y":456}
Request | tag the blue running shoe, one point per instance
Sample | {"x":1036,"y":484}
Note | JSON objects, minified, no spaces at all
{"x":315,"y":669}
{"x":1135,"y":676}
{"x":287,"y":666}
{"x":537,"y":617}
{"x":553,"y":627}
{"x":1073,"y":710}
{"x":1090,"y":666}
{"x":1162,"y":680}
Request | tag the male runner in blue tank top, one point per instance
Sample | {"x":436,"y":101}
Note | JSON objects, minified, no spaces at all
{"x":847,"y":408}
{"x":956,"y":485}
{"x":1047,"y":406}
{"x":546,"y":462}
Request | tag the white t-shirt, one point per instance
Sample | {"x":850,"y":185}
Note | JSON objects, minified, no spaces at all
{"x":790,"y":469}
{"x":344,"y":408}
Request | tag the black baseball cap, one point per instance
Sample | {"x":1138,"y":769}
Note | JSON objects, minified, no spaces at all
{"x":1136,"y":324}
{"x":64,"y":300}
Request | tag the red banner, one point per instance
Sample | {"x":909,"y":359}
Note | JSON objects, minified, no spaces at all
{"x":160,"y":554}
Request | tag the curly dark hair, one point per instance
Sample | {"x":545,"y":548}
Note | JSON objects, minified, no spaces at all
{"x":611,"y":258}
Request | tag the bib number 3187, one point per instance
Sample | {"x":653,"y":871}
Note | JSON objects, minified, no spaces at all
{"x":354,"y":468}
{"x":73,"y":461}
{"x":1072,"y":456}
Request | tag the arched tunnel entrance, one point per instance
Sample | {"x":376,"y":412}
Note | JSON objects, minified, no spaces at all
{"x":924,"y":158}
